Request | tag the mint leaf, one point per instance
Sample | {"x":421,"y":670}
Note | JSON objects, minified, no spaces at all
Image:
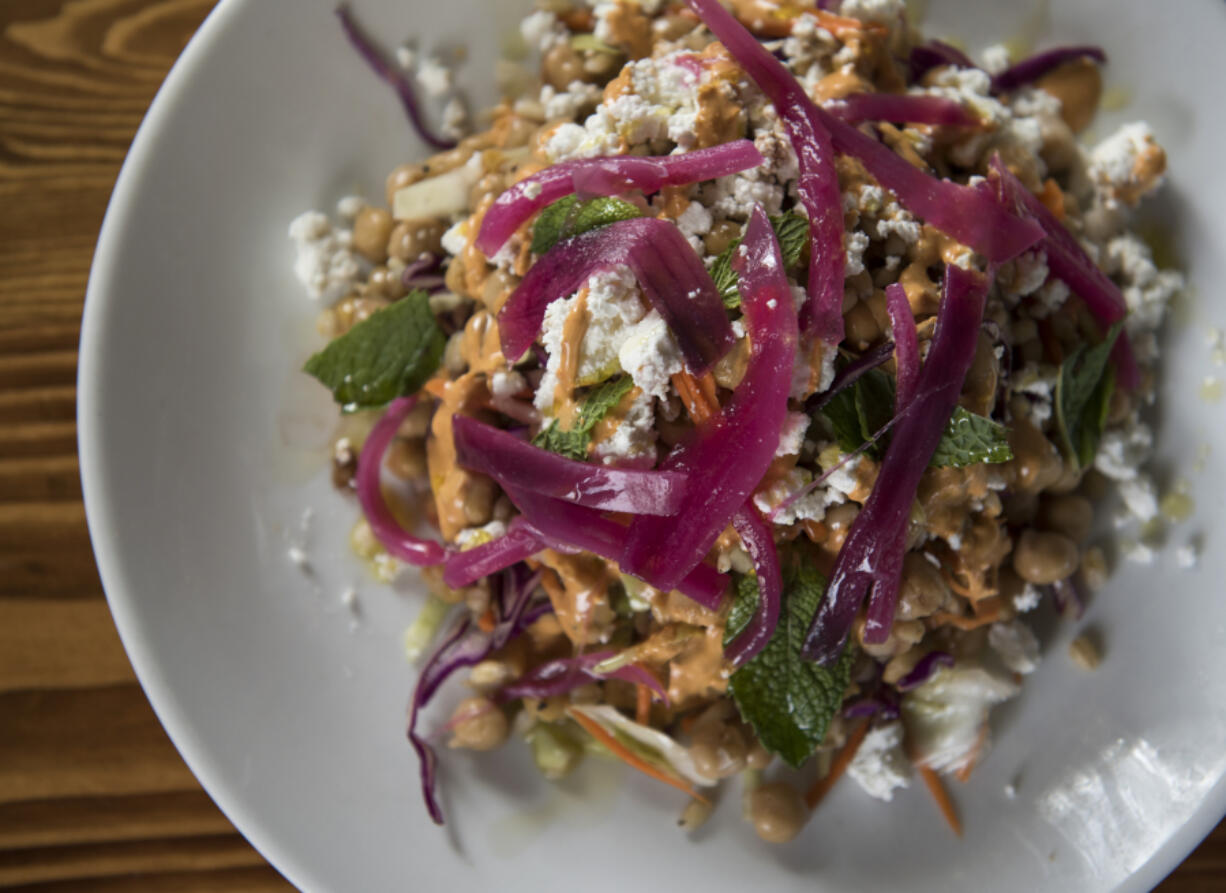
{"x":788,"y":701}
{"x":971,"y":439}
{"x":1083,"y":396}
{"x":599,"y":402}
{"x":387,"y":355}
{"x":569,"y":217}
{"x":858,"y":412}
{"x":792,"y":231}
{"x":571,"y":444}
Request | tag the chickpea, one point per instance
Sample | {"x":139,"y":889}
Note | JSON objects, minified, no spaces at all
{"x":903,"y":634}
{"x":371,"y":230}
{"x":401,"y":176}
{"x":478,"y":724}
{"x":777,"y":812}
{"x":497,"y":288}
{"x":1036,"y":463}
{"x":417,"y":422}
{"x":489,"y":186}
{"x":901,"y":664}
{"x":406,"y":459}
{"x":718,"y":750}
{"x":979,"y":387}
{"x":454,"y":278}
{"x":922,"y":591}
{"x":1044,"y":557}
{"x":861,"y":325}
{"x":1068,"y":514}
{"x":410,"y":239}
{"x":479,"y":496}
{"x":720,"y":236}
{"x":839,"y":520}
{"x":562,"y":65}
{"x":758,"y":756}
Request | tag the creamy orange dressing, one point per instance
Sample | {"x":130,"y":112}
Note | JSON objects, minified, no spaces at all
{"x":450,"y":482}
{"x":629,"y":29}
{"x":582,"y":605}
{"x":1079,"y":87}
{"x":697,"y":672}
{"x":608,"y":425}
{"x":933,"y":248}
{"x":573,"y":330}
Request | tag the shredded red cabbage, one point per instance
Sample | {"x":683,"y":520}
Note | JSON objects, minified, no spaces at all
{"x":466,"y":646}
{"x":398,"y":80}
{"x":670,"y":273}
{"x":467,"y":567}
{"x":934,"y":54}
{"x":906,"y":344}
{"x":871,"y":707}
{"x":903,"y":107}
{"x":1034,"y":67}
{"x":611,"y":175}
{"x":566,"y":527}
{"x":873,"y":551}
{"x":818,"y":184}
{"x":960,"y":211}
{"x":728,"y":456}
{"x":557,"y":677}
{"x":759,"y":542}
{"x":1068,"y":262}
{"x":398,"y":541}
{"x":504,"y":456}
{"x":925,"y":669}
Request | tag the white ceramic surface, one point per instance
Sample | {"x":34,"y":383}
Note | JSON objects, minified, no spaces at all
{"x":201,"y":446}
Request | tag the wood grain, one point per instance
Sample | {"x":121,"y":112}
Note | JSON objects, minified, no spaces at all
{"x":92,"y":794}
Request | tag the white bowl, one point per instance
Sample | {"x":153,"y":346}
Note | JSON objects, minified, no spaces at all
{"x":202,"y":445}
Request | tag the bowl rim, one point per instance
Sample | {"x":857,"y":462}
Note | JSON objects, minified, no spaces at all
{"x":102,"y":520}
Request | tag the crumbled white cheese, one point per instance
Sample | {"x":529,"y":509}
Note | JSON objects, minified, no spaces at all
{"x":995,"y":58}
{"x":1137,"y":551}
{"x":880,"y":764}
{"x":1141,"y":497}
{"x":792,"y":435}
{"x":1113,"y":162}
{"x":694,"y":222}
{"x":471,"y":537}
{"x":455,"y":119}
{"x":634,"y":436}
{"x":1016,"y":645}
{"x":1028,"y":599}
{"x":614,"y":307}
{"x":1038,"y":383}
{"x":810,"y":507}
{"x":567,"y":103}
{"x":857,"y":242}
{"x":843,"y":479}
{"x":541,"y":30}
{"x":405,"y":57}
{"x":1187,"y":556}
{"x":1147,"y":290}
{"x":325,"y":264}
{"x":1123,"y":450}
{"x":434,"y":77}
{"x":1024,"y":275}
{"x":888,"y":12}
{"x":349,"y":207}
{"x":945,"y":716}
{"x":506,"y":383}
{"x":455,"y":239}
{"x":650,"y":355}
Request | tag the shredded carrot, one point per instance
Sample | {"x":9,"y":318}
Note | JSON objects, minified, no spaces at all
{"x":981,"y":741}
{"x":435,"y":387}
{"x":840,"y":25}
{"x":623,"y":753}
{"x":837,"y":767}
{"x":485,"y":622}
{"x":1052,"y":196}
{"x":695,"y":398}
{"x":944,"y":803}
{"x":642,"y":705}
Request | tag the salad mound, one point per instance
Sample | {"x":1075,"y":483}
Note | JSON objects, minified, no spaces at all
{"x":741,"y":388}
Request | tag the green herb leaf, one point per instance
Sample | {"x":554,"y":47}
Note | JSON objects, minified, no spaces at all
{"x":858,"y":412}
{"x":599,"y":402}
{"x":971,"y":439}
{"x":1083,"y":396}
{"x":569,"y":217}
{"x":789,"y":701}
{"x":387,"y":355}
{"x":792,"y":231}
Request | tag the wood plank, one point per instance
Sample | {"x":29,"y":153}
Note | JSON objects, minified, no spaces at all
{"x":47,"y":644}
{"x":47,"y":571}
{"x":33,"y":524}
{"x":85,"y":742}
{"x":234,"y":880}
{"x":54,"y":403}
{"x":100,"y":860}
{"x":38,"y":439}
{"x":48,"y":479}
{"x":77,"y":820}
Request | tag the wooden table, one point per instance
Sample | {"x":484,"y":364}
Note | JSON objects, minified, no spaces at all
{"x":92,"y":794}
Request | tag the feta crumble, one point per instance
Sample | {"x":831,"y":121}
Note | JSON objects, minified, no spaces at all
{"x":880,"y":765}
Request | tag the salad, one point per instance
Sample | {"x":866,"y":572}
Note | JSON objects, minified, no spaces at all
{"x":741,"y":388}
